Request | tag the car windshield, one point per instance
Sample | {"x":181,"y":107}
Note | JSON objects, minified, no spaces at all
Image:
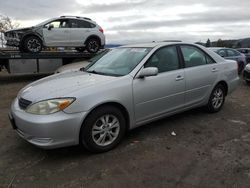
{"x":44,"y":22}
{"x":118,"y":62}
{"x":98,"y":56}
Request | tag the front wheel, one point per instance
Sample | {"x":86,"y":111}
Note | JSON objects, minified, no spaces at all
{"x":217,"y":99}
{"x":33,"y":44}
{"x":103,"y":129}
{"x":93,"y":45}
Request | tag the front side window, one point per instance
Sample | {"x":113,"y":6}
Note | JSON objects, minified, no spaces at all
{"x":194,"y":56}
{"x":58,"y":24}
{"x":118,"y":62}
{"x":165,"y":59}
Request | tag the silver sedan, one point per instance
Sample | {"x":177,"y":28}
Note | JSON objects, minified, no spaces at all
{"x":128,"y":87}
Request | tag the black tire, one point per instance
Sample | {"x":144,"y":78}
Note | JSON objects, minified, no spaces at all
{"x":80,"y":49}
{"x":93,"y":45}
{"x":89,"y":126}
{"x":33,"y":44}
{"x":241,"y":67}
{"x":212,"y":106}
{"x":248,"y":82}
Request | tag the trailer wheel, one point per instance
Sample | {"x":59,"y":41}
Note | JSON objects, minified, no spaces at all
{"x":33,"y":44}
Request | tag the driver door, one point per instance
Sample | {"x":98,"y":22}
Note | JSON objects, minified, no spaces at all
{"x":57,"y":33}
{"x":159,"y":95}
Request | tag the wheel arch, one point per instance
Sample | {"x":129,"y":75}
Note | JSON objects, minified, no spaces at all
{"x":30,"y":35}
{"x":225,"y":85}
{"x":93,"y":36}
{"x":118,"y":105}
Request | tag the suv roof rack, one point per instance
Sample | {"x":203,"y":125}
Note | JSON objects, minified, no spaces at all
{"x":75,"y":17}
{"x":172,"y":41}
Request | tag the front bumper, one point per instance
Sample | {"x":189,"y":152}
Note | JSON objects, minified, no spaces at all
{"x":246,"y":75}
{"x":13,"y":42}
{"x":47,"y":131}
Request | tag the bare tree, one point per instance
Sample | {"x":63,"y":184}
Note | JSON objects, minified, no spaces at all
{"x":6,"y":23}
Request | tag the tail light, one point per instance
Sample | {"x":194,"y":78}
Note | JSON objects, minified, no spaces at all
{"x":101,"y":30}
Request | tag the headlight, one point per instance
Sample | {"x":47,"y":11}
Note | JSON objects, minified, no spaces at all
{"x":49,"y":106}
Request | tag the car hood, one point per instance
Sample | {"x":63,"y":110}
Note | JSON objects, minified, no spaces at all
{"x":19,"y":29}
{"x":72,"y":67}
{"x":62,"y":85}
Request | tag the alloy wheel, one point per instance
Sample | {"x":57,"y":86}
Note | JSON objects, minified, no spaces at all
{"x":105,"y":130}
{"x":218,"y":97}
{"x":34,"y":45}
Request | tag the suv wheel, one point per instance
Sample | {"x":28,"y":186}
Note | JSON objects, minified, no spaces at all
{"x":216,"y":99}
{"x":33,"y":44}
{"x":103,"y":129}
{"x":92,"y":45}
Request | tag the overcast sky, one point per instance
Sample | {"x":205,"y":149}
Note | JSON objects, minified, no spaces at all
{"x":129,"y":21}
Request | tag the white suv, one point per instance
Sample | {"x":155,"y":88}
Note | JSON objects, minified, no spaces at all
{"x":65,"y":31}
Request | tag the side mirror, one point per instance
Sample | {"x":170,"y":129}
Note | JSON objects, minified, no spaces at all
{"x":149,"y":71}
{"x":50,"y":26}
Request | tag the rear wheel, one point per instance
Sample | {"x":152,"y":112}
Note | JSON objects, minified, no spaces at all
{"x":93,"y":45}
{"x":103,"y":129}
{"x":248,"y":82}
{"x":32,"y":44}
{"x":216,"y":99}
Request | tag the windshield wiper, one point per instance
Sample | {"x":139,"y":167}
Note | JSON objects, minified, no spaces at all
{"x":102,"y":73}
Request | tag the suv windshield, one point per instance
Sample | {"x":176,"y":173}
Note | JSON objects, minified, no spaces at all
{"x":118,"y":62}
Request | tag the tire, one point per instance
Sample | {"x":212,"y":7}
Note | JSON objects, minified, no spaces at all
{"x":248,"y":82}
{"x":80,"y":49}
{"x":33,"y":44}
{"x":97,"y":134}
{"x":93,"y":45}
{"x":241,"y":67}
{"x":216,"y":99}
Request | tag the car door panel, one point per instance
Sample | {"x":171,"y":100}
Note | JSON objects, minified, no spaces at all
{"x":59,"y":35}
{"x":158,"y":95}
{"x":199,"y":81}
{"x":201,"y":72}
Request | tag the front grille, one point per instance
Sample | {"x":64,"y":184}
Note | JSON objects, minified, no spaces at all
{"x":23,"y":103}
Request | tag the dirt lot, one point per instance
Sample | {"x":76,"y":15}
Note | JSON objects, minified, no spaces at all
{"x":209,"y":150}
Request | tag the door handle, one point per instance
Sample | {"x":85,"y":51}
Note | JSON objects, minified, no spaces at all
{"x":178,"y":78}
{"x":214,"y":70}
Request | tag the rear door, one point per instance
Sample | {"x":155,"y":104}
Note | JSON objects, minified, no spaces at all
{"x":80,"y":30}
{"x":201,"y":72}
{"x":157,"y":95}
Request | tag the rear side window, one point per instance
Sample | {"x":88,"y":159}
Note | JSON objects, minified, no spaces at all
{"x":74,"y":23}
{"x":165,"y":59}
{"x":84,"y":24}
{"x":195,"y":57}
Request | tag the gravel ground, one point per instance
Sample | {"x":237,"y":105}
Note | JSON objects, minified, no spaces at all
{"x":208,"y":151}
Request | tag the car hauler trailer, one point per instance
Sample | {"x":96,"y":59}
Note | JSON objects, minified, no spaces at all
{"x":44,"y":62}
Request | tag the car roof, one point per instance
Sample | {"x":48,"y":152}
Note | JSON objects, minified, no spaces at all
{"x":153,"y":44}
